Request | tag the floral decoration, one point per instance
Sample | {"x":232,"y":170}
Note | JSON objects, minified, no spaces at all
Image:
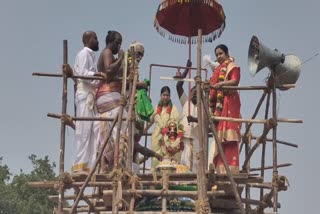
{"x":172,"y":146}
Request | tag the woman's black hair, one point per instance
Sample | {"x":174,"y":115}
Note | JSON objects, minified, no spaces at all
{"x":222,"y":47}
{"x":165,"y":88}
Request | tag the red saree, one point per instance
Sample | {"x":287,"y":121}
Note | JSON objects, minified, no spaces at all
{"x":228,"y":132}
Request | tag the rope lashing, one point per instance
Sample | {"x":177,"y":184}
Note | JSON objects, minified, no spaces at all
{"x":202,"y":206}
{"x":123,"y":101}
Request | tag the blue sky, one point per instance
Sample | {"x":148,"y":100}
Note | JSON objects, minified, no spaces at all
{"x":31,"y":41}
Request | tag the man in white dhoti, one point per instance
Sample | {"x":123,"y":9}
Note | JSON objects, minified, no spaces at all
{"x":190,"y":136}
{"x":86,"y":132}
{"x":109,"y":93}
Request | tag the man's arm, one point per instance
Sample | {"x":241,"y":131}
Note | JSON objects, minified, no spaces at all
{"x":179,"y":85}
{"x":146,"y":152}
{"x":109,"y":65}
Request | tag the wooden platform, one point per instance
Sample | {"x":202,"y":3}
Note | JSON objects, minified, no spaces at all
{"x":220,"y":198}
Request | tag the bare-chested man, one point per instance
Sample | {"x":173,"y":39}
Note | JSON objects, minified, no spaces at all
{"x":109,"y":93}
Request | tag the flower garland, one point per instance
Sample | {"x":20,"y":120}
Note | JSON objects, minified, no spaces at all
{"x":168,"y":146}
{"x":160,"y":105}
{"x":217,"y":96}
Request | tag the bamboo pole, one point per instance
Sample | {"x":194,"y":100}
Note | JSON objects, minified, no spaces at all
{"x":108,"y":184}
{"x":278,"y":141}
{"x":124,"y":156}
{"x":170,"y":183}
{"x":178,"y":193}
{"x":63,"y":128}
{"x":283,"y":120}
{"x":270,"y":167}
{"x":165,"y":187}
{"x":132,"y":200}
{"x":84,"y":118}
{"x":247,"y":146}
{"x":206,"y":124}
{"x":274,"y":144}
{"x":256,"y":111}
{"x":130,"y":121}
{"x":54,"y":184}
{"x":73,"y":76}
{"x":263,"y":152}
{"x":202,"y":193}
{"x":286,"y":86}
{"x":73,"y":197}
{"x":86,"y":209}
{"x":75,"y":204}
{"x":176,"y":67}
{"x":119,"y":123}
{"x":229,"y":175}
{"x":258,"y":142}
{"x":115,"y":207}
{"x":253,"y":117}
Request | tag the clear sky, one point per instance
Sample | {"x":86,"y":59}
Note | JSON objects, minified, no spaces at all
{"x":31,"y":41}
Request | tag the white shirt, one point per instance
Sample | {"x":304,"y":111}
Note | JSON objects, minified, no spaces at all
{"x":190,"y":129}
{"x":85,"y":65}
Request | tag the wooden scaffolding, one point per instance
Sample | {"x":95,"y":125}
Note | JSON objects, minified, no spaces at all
{"x":118,"y":191}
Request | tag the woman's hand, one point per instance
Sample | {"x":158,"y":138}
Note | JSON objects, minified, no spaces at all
{"x":218,"y":85}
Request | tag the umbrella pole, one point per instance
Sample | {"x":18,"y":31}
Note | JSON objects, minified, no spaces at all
{"x":189,"y":76}
{"x":202,"y":204}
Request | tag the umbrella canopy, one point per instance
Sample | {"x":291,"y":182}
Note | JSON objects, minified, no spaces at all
{"x":181,"y":19}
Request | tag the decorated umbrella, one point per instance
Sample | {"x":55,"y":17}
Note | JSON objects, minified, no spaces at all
{"x":181,"y":19}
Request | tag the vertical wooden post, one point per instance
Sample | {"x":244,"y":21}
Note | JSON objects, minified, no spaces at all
{"x":115,"y":208}
{"x":63,"y":128}
{"x":130,"y":121}
{"x":274,"y":145}
{"x":132,"y":199}
{"x":165,"y":187}
{"x":114,"y":197}
{"x":206,"y":125}
{"x":248,"y":147}
{"x":119,"y":123}
{"x":201,"y":177}
{"x":189,"y":76}
{"x":263,"y":155}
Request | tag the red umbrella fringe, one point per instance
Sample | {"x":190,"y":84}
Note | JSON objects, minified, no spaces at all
{"x":184,"y":39}
{"x":167,"y":3}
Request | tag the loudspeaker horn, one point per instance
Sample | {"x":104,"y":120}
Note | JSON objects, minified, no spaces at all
{"x":260,"y":56}
{"x":289,"y":71}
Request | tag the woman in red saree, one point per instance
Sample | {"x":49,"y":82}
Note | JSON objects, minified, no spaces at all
{"x":226,"y":103}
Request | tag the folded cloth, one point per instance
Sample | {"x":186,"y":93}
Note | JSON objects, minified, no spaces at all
{"x":144,"y":107}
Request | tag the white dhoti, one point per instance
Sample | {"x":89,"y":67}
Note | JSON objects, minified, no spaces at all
{"x":190,"y":153}
{"x":105,"y":126}
{"x":86,"y":133}
{"x":212,"y":152}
